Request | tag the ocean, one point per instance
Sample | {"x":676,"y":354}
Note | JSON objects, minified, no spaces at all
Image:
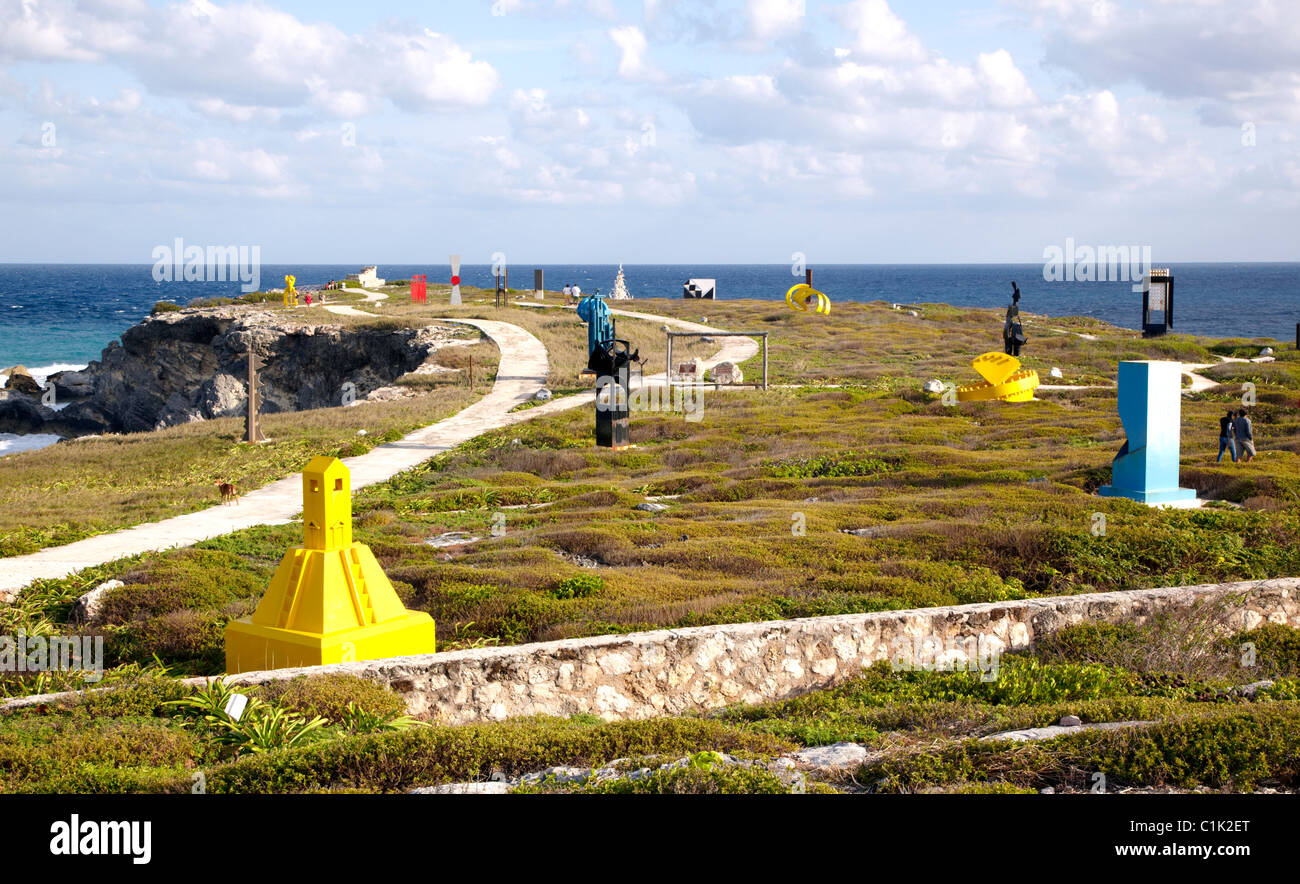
{"x":57,"y":316}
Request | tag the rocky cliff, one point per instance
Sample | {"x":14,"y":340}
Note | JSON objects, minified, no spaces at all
{"x":192,"y":365}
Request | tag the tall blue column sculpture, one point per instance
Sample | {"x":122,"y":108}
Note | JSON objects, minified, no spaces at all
{"x":1150,"y":405}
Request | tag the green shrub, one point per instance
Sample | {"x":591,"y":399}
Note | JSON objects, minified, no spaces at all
{"x":397,"y":761}
{"x":579,"y":586}
{"x":832,"y":466}
{"x":164,"y":307}
{"x":1087,"y":642}
{"x":198,"y":579}
{"x":1234,"y":749}
{"x":1277,"y":649}
{"x":63,"y":747}
{"x":191,"y":641}
{"x":330,"y":696}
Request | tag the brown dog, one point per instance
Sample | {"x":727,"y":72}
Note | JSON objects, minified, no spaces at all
{"x":229,"y":494}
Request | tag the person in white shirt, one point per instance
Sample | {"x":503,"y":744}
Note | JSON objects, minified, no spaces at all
{"x":568,"y":290}
{"x":577,"y":291}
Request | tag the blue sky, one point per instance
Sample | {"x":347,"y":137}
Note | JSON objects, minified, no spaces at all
{"x":599,"y":131}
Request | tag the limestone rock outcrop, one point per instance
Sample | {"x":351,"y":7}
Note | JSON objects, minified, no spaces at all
{"x":191,"y":365}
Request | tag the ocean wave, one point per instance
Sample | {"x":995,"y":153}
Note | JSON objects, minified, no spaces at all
{"x":11,"y":443}
{"x":42,"y":372}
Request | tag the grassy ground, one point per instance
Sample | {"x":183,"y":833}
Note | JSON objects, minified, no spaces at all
{"x":854,"y":492}
{"x":921,"y":728}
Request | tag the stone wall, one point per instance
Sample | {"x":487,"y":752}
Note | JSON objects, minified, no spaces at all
{"x":682,"y":670}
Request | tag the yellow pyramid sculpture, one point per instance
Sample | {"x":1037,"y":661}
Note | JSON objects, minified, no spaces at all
{"x":329,"y":601}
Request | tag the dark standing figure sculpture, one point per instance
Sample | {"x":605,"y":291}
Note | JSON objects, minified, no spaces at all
{"x":1013,"y":333}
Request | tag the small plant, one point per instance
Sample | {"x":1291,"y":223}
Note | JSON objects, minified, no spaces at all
{"x":207,"y":704}
{"x":578,"y":586}
{"x":360,"y":721}
{"x":264,"y":727}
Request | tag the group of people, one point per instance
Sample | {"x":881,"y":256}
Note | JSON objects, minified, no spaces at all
{"x":1236,"y":435}
{"x":572,"y":291}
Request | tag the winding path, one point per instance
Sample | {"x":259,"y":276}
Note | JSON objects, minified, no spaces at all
{"x":521,"y":372}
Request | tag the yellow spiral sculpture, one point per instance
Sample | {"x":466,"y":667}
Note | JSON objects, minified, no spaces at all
{"x":1004,"y":380}
{"x":290,"y":293}
{"x":807,"y":296}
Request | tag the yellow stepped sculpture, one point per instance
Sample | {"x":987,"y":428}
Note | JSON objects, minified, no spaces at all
{"x":1003,"y":380}
{"x":329,"y":601}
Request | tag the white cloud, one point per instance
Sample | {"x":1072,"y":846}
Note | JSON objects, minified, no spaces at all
{"x":1236,"y":60}
{"x":250,"y":55}
{"x":878,"y":33}
{"x":632,"y":62}
{"x":774,"y":18}
{"x":1005,"y":85}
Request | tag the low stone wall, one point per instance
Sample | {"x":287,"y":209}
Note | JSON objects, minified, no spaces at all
{"x":681,"y":670}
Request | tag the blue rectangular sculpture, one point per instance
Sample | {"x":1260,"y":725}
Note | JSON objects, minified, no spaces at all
{"x":1150,"y":406}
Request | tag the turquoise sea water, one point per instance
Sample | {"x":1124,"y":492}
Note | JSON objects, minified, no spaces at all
{"x":65,"y":314}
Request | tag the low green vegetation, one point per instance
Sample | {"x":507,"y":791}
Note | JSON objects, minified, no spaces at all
{"x":150,"y":733}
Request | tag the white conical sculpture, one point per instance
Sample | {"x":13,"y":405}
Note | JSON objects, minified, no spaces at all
{"x":620,"y":292}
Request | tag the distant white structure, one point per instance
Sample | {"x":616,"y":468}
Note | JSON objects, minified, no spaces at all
{"x":700,"y":288}
{"x":620,"y":292}
{"x":368,"y":277}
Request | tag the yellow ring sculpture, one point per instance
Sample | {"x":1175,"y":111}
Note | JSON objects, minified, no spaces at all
{"x":1004,"y":380}
{"x":808,"y":294}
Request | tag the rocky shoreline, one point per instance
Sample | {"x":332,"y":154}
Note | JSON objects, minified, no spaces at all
{"x":191,"y":365}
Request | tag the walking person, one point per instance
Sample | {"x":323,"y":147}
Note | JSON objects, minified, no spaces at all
{"x":1245,"y":434}
{"x":1226,"y":440}
{"x":1013,"y":333}
{"x":568,"y":290}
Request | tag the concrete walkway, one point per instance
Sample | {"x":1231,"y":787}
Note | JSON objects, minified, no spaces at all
{"x":344,"y":310}
{"x":521,"y":373}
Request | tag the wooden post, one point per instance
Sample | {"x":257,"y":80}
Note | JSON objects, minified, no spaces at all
{"x":252,"y":432}
{"x":807,"y":275}
{"x":764,"y":362}
{"x":471,"y":374}
{"x":668,"y":377}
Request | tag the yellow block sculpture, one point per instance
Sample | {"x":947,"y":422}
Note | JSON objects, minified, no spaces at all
{"x":1004,"y":380}
{"x":329,"y":601}
{"x":290,"y":292}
